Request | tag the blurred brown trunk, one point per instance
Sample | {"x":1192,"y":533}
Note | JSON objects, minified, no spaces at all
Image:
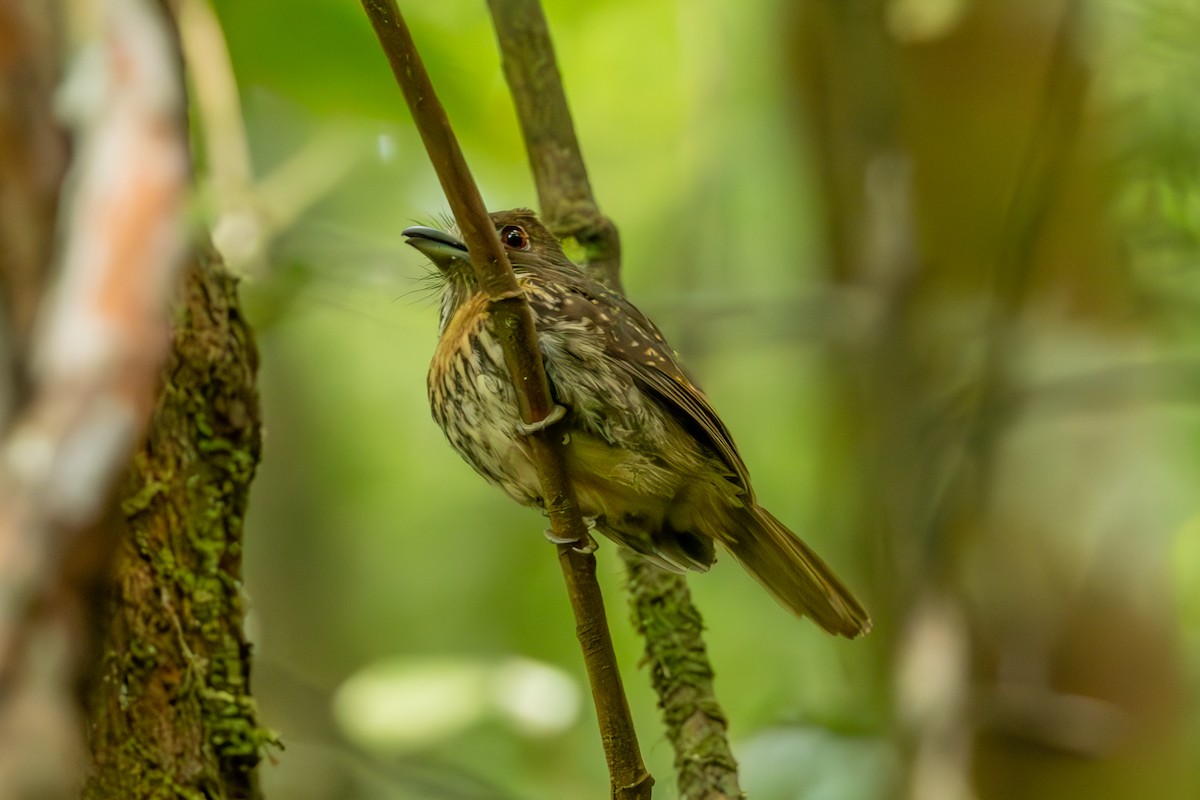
{"x":1024,"y":629}
{"x":33,"y":161}
{"x":171,"y":703}
{"x":144,"y":612}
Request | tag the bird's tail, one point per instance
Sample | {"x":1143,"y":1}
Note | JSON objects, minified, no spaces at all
{"x":794,"y":574}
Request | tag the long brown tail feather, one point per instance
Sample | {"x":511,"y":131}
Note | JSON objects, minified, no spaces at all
{"x":795,"y":575}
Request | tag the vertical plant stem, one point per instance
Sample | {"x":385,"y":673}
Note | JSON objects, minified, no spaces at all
{"x":660,"y":602}
{"x":683,"y":680}
{"x":564,"y":192}
{"x":513,"y":323}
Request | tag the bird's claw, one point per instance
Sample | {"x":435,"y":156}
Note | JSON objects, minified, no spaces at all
{"x":553,"y":538}
{"x":585,"y":545}
{"x":556,"y":413}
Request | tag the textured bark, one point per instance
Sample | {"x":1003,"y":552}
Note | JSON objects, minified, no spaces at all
{"x":659,"y":601}
{"x":683,"y":680}
{"x":170,"y":712}
{"x":512,"y":322}
{"x":564,"y":191}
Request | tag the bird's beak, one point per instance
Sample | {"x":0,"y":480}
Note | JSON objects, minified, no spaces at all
{"x":442,"y":248}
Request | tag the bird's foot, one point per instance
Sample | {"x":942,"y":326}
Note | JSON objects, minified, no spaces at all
{"x":585,"y":545}
{"x":554,"y":538}
{"x":556,"y":413}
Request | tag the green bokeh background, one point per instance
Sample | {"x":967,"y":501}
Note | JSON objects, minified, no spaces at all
{"x":370,"y":541}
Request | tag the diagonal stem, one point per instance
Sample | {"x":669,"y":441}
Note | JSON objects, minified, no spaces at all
{"x":513,"y":325}
{"x":564,"y":192}
{"x":660,"y":602}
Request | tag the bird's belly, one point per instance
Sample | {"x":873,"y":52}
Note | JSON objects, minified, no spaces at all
{"x":629,"y":487}
{"x":474,"y":404}
{"x":476,"y":407}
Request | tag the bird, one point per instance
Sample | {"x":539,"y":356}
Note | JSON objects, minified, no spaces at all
{"x":653,"y":466}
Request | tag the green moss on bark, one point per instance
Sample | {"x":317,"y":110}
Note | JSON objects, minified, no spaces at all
{"x":682,"y":678}
{"x":171,"y":714}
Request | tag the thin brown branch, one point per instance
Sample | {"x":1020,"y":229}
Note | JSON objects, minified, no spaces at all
{"x":661,"y":604}
{"x":514,"y":327}
{"x":564,"y":192}
{"x":683,"y":680}
{"x":630,"y":779}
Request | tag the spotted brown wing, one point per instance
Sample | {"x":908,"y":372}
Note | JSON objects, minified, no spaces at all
{"x":636,"y":344}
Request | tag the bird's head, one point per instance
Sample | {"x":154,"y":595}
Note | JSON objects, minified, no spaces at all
{"x":528,"y":243}
{"x":530,"y":246}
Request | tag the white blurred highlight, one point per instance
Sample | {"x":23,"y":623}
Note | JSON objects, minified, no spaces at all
{"x":402,"y":704}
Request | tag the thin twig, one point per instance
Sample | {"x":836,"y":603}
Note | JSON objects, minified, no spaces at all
{"x":565,"y":195}
{"x":252,"y":211}
{"x":683,"y":679}
{"x":513,"y":325}
{"x":660,"y":601}
{"x":564,"y":192}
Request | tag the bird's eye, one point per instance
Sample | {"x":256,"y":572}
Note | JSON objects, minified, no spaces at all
{"x":514,"y":237}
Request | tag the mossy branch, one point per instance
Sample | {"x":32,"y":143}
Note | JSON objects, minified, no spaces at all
{"x":660,"y":601}
{"x":170,"y":704}
{"x":682,"y":677}
{"x":513,"y":325}
{"x":564,"y":191}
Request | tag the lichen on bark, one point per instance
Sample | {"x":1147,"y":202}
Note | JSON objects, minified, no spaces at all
{"x":170,"y":710}
{"x":682,"y":676}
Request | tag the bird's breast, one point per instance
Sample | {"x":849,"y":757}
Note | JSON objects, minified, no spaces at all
{"x":474,"y":403}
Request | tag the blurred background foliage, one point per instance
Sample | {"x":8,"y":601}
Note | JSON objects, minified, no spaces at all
{"x":935,"y":261}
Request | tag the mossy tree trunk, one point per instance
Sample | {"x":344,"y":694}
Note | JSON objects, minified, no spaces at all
{"x":170,"y":713}
{"x":159,"y":679}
